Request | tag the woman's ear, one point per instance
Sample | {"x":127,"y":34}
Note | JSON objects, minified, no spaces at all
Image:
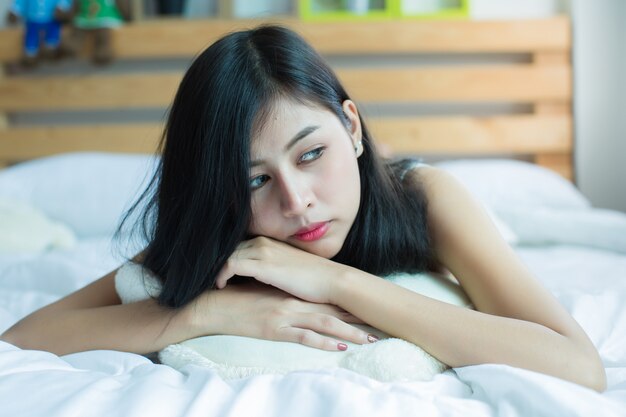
{"x":354,"y":125}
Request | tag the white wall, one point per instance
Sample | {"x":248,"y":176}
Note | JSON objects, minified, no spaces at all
{"x":600,"y":100}
{"x":4,"y":8}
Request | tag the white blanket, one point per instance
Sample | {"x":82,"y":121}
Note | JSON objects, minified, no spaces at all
{"x":591,"y":283}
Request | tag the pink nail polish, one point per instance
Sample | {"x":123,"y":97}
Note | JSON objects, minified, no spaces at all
{"x":342,"y":346}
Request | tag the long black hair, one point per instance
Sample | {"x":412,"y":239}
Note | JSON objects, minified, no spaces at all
{"x":196,"y":209}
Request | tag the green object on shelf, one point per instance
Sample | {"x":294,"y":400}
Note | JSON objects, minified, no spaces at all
{"x":333,"y":10}
{"x":456,"y":9}
{"x":345,"y":10}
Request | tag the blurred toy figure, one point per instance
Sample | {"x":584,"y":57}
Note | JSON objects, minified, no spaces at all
{"x":42,"y":18}
{"x":96,"y":18}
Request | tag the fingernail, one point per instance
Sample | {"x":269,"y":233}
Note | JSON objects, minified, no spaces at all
{"x":342,"y":346}
{"x":372,"y":338}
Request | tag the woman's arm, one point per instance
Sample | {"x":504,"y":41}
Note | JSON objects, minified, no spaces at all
{"x":517,"y":322}
{"x":93,"y":318}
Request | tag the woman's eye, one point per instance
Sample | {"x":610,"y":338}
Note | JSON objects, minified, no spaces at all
{"x":312,"y":155}
{"x":258,"y":181}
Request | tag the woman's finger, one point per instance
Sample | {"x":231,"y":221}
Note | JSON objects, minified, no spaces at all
{"x":234,"y":266}
{"x":331,"y":310}
{"x":329,"y":325}
{"x":349,"y":318}
{"x":312,"y":339}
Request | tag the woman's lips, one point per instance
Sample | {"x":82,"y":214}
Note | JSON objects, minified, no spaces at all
{"x":313,"y":232}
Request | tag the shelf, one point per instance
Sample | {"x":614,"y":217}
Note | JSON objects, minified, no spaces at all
{"x":176,"y":38}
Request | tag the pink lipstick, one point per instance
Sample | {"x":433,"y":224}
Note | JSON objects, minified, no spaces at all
{"x":312,"y":232}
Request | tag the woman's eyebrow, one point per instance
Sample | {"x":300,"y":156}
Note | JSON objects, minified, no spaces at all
{"x":301,"y":135}
{"x":298,"y":136}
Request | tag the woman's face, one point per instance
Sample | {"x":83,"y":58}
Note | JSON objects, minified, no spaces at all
{"x":304,"y":177}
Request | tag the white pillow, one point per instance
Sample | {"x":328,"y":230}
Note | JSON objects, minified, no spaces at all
{"x":24,"y":228}
{"x":86,"y":191}
{"x":508,"y":183}
{"x":389,"y":359}
{"x":598,"y":228}
{"x":505,"y":231}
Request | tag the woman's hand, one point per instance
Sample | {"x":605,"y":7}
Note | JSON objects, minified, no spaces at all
{"x":264,"y":312}
{"x":300,"y":273}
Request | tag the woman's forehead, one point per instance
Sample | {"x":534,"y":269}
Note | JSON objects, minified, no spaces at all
{"x":285,"y":117}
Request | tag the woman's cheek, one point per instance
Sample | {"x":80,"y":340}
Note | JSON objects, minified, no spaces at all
{"x":261,"y":218}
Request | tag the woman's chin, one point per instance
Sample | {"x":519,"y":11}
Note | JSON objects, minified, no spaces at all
{"x":320,"y":248}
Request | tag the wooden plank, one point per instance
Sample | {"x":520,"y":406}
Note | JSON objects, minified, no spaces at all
{"x":552,"y":108}
{"x":88,"y":92}
{"x":384,"y":37}
{"x":34,"y":142}
{"x":511,"y":83}
{"x":11,"y":42}
{"x":552,"y":58}
{"x":185,"y":38}
{"x":559,"y":162}
{"x":524,"y":134}
{"x":4,"y":119}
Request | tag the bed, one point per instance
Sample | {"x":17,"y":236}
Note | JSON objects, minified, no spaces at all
{"x":65,"y":185}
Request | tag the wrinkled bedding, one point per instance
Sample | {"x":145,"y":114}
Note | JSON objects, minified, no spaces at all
{"x":591,"y":283}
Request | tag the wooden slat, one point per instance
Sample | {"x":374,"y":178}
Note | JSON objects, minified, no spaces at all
{"x":551,"y":58}
{"x":88,"y":92}
{"x":185,"y":38}
{"x":523,"y":83}
{"x":4,"y":120}
{"x":552,"y":108}
{"x":559,"y":162}
{"x":514,"y":83}
{"x":524,"y":134}
{"x":32,"y":142}
{"x":11,"y":44}
{"x":359,"y":37}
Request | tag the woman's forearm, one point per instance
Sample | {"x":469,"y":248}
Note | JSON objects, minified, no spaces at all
{"x":140,"y":327}
{"x":459,"y":336}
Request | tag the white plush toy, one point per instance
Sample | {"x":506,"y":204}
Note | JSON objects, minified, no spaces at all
{"x":25,"y":228}
{"x":389,"y":359}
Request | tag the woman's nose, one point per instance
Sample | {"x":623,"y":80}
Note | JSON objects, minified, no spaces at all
{"x":296,"y":196}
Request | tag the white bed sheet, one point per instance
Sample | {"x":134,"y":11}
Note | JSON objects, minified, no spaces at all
{"x":590,"y":283}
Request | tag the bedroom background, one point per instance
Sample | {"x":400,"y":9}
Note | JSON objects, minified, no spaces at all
{"x":510,"y":90}
{"x":598,"y":56}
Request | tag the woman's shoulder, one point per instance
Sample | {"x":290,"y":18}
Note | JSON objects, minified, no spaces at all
{"x":436,"y":183}
{"x":417,"y":173}
{"x":406,"y":166}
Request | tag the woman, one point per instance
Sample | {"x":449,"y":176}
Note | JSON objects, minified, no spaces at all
{"x":268,"y":172}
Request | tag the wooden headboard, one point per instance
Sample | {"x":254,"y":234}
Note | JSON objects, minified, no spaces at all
{"x":386,"y":70}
